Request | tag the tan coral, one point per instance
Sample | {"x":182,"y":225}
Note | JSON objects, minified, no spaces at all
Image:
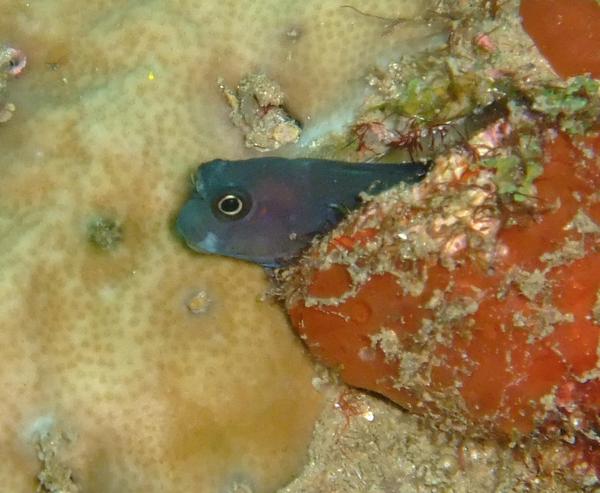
{"x":119,"y":106}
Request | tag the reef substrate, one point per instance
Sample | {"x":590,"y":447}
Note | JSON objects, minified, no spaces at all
{"x":473,"y":298}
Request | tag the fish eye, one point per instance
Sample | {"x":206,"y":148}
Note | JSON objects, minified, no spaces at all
{"x":231,"y":206}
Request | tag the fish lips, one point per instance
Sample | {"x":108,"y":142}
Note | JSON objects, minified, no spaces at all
{"x":192,"y":230}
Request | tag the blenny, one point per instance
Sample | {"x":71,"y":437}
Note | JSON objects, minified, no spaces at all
{"x":267,"y":210}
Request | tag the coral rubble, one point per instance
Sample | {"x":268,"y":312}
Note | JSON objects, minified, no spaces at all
{"x":12,"y":63}
{"x":257,"y":109}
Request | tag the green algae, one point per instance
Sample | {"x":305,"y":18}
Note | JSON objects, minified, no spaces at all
{"x":426,"y":104}
{"x":514,"y":176}
{"x":437,"y":92}
{"x":575,"y":106}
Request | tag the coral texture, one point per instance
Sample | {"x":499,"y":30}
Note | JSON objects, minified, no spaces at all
{"x":128,"y":362}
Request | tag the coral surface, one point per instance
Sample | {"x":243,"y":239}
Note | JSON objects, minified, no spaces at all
{"x":164,"y":370}
{"x":131,"y":364}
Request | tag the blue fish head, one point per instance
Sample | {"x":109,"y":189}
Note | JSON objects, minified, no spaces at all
{"x":267,"y":210}
{"x":246,"y":211}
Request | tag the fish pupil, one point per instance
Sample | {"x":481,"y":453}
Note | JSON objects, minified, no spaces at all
{"x":230,"y":205}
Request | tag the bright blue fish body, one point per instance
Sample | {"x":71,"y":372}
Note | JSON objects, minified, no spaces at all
{"x":266,"y":210}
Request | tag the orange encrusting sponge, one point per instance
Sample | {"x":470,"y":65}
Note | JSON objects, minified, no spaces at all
{"x":523,"y":354}
{"x":566,"y":32}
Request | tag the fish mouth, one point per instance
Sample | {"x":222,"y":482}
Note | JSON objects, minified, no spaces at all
{"x":189,"y":227}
